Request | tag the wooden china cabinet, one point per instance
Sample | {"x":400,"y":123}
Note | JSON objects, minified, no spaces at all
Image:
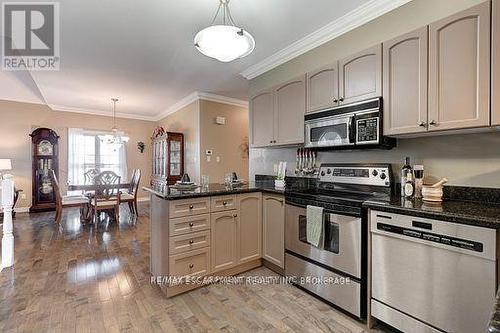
{"x":168,"y":158}
{"x":45,"y":157}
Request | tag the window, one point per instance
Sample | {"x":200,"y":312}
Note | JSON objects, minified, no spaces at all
{"x":86,"y":151}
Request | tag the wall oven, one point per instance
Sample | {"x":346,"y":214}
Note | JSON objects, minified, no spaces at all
{"x":357,"y":125}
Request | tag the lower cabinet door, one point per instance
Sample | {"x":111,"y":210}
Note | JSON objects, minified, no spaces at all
{"x":274,"y":229}
{"x":224,"y":233}
{"x":249,"y":227}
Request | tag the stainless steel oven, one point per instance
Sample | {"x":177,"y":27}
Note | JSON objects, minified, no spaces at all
{"x":341,"y":246}
{"x":351,"y":126}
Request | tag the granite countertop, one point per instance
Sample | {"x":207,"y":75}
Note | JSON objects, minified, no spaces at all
{"x":457,"y":211}
{"x":171,"y":193}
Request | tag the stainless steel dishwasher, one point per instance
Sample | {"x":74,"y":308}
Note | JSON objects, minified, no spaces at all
{"x":431,"y":276}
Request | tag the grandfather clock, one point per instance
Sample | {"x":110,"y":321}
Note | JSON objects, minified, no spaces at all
{"x":44,"y":143}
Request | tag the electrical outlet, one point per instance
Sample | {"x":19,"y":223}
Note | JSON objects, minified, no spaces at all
{"x":275,"y":168}
{"x":217,"y":159}
{"x":23,"y":196}
{"x":209,"y":158}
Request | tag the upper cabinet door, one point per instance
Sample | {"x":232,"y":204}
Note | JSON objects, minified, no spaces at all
{"x":405,"y":83}
{"x":290,"y":109}
{"x":262,"y":119}
{"x":361,"y":76}
{"x":495,"y":64}
{"x":459,"y":70}
{"x":323,"y":88}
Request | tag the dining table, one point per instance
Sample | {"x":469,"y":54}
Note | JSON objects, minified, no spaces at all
{"x":88,"y":189}
{"x":94,"y":187}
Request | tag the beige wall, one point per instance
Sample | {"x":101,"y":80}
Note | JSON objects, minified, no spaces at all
{"x":197,"y":122}
{"x":229,"y":141}
{"x":187,"y":121}
{"x":468,"y":159}
{"x":18,"y":120}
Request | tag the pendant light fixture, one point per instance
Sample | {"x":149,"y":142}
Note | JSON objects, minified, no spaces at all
{"x":116,"y":139}
{"x":224,"y":42}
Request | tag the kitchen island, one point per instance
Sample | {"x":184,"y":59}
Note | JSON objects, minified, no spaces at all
{"x":214,"y":231}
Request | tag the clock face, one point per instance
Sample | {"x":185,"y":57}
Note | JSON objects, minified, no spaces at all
{"x":45,"y":148}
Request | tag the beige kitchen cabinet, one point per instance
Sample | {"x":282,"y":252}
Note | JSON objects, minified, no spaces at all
{"x":405,"y":83}
{"x":360,"y":75}
{"x":459,"y":70}
{"x":322,"y":88}
{"x":273,"y":212}
{"x":495,"y":64}
{"x":249,"y":227}
{"x":262,"y":119}
{"x":277,"y":114}
{"x":224,"y":235}
{"x":290,"y":106}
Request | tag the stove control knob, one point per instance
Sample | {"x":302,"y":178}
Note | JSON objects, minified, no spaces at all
{"x":383,"y":176}
{"x":322,"y":173}
{"x":374,"y":173}
{"x":328,"y":171}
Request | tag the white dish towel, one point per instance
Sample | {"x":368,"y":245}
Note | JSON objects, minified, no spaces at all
{"x":314,"y":226}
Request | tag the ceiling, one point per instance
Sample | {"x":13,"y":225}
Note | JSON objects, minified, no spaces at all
{"x":143,"y":53}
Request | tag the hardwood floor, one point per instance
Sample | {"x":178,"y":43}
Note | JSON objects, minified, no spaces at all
{"x":74,"y":278}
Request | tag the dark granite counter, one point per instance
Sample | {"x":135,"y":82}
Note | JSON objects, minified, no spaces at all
{"x":494,"y":326}
{"x":171,"y":193}
{"x":457,"y":211}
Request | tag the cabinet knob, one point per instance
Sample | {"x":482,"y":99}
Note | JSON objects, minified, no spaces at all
{"x":235,"y":215}
{"x":191,"y":265}
{"x":422,"y":124}
{"x":224,"y":203}
{"x":271,"y":141}
{"x":191,"y":241}
{"x":335,"y":100}
{"x":191,"y":207}
{"x":433,"y":123}
{"x":191,"y":224}
{"x":341,"y":99}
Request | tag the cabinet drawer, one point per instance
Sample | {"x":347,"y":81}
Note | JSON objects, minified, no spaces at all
{"x":223,"y":203}
{"x":189,"y":224}
{"x":188,"y":207}
{"x":188,"y":242}
{"x":193,"y":263}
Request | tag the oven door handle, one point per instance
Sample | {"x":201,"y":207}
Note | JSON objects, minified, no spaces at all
{"x":352,"y":129}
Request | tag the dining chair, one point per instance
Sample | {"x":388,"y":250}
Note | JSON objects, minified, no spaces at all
{"x":90,"y":175}
{"x":68,"y":201}
{"x":130,"y":196}
{"x":106,"y":196}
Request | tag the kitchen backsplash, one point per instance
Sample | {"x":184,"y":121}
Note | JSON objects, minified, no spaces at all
{"x":466,"y":159}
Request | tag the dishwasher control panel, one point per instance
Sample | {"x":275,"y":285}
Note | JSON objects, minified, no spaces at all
{"x":432,"y":237}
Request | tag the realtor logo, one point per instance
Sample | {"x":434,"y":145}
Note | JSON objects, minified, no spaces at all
{"x":30,"y":33}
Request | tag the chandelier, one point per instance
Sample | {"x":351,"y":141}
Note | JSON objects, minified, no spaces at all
{"x":224,"y":42}
{"x":116,"y":138}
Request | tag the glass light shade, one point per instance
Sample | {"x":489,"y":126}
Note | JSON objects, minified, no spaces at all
{"x":224,"y":42}
{"x":5,"y":164}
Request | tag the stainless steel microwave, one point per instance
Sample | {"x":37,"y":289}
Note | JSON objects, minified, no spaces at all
{"x":357,"y":125}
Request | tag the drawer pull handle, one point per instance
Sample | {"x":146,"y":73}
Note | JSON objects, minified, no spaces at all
{"x":224,"y":203}
{"x":384,"y":217}
{"x":235,"y":215}
{"x":191,"y":241}
{"x":191,"y":224}
{"x":191,"y":206}
{"x":191,"y":266}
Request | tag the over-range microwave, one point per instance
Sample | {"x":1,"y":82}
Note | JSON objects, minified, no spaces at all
{"x":354,"y":126}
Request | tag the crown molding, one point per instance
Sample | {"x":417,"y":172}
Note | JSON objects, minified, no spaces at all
{"x":353,"y":19}
{"x":95,"y":112}
{"x":195,"y":96}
